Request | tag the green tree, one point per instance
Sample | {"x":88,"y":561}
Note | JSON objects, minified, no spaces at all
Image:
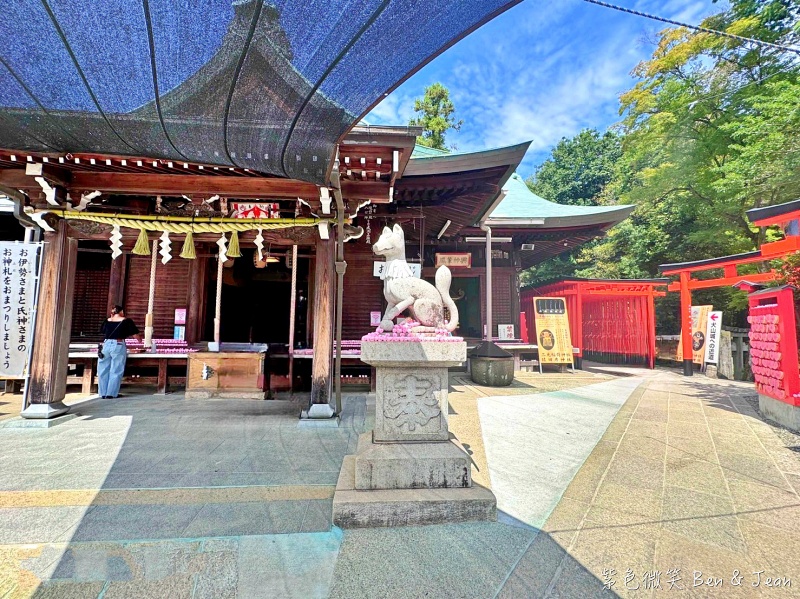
{"x":435,"y":115}
{"x":579,"y":168}
{"x":710,"y":130}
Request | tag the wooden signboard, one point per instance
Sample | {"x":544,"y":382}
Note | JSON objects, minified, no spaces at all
{"x":552,"y":330}
{"x":454,"y":260}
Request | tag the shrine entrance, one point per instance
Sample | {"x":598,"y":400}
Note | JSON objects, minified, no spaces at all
{"x":256,"y":300}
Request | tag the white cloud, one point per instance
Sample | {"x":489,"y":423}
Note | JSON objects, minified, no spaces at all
{"x":540,"y":72}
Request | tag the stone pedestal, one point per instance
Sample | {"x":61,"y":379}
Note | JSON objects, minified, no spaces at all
{"x":409,"y":470}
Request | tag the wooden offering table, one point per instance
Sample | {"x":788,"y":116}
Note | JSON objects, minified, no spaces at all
{"x":227,"y":374}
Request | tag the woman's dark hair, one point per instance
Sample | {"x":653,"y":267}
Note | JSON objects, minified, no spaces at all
{"x":116,"y":309}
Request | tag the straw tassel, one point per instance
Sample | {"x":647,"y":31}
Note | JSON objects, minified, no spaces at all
{"x":233,"y":246}
{"x":188,"y":247}
{"x":142,"y":247}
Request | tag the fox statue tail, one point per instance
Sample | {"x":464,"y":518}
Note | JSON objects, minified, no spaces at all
{"x":443,"y":279}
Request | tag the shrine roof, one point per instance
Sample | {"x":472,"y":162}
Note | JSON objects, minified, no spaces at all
{"x":267,"y":86}
{"x":521,"y":204}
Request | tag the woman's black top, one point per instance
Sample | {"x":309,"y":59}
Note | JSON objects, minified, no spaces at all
{"x":119,"y":330}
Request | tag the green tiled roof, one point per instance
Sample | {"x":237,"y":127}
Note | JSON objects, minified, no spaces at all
{"x":425,"y":152}
{"x":520,"y":202}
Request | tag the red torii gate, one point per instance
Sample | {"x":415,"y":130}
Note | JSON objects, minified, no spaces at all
{"x":786,"y":216}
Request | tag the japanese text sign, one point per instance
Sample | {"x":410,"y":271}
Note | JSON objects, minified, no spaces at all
{"x":713,"y":333}
{"x":454,"y":260}
{"x":552,"y":330}
{"x":18,"y":285}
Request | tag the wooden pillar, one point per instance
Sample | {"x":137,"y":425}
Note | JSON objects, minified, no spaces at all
{"x":196,"y":301}
{"x":323,"y":322}
{"x":579,"y":324}
{"x":116,"y":282}
{"x":48,"y":382}
{"x":651,"y":328}
{"x":686,"y":324}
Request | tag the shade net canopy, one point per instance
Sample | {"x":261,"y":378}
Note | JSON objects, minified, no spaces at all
{"x":270,"y":86}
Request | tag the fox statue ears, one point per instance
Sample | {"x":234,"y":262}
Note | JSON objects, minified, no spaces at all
{"x":396,"y":230}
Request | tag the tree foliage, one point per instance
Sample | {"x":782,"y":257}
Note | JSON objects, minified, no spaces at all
{"x":435,"y":114}
{"x":579,"y":168}
{"x":710,"y":130}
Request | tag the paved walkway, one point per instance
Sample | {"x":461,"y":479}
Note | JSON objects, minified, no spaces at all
{"x":687,"y":485}
{"x":658,"y":474}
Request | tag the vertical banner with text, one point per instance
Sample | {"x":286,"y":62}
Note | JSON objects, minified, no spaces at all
{"x":18,"y":286}
{"x":713,"y":334}
{"x":552,"y":330}
{"x":699,"y":326}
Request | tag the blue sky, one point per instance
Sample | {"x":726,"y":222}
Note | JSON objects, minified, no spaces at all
{"x":541,"y":71}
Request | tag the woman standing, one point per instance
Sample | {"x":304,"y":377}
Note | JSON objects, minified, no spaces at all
{"x":111,"y":365}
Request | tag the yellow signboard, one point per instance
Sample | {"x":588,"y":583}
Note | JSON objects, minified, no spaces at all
{"x":552,"y":330}
{"x":699,"y":325}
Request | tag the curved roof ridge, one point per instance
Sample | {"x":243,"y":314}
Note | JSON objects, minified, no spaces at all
{"x":521,"y":203}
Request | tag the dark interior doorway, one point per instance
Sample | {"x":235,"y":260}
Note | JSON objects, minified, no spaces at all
{"x":256,"y":301}
{"x":466,"y":292}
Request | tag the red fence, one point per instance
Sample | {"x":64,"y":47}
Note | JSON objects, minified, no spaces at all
{"x":611,"y":321}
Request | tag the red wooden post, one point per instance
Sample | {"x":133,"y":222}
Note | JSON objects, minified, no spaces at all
{"x":578,"y":340}
{"x":686,"y":324}
{"x":651,"y":328}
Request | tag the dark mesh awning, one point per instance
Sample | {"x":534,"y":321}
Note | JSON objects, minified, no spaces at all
{"x":264,"y":85}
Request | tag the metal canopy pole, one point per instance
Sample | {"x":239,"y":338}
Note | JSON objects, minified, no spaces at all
{"x":488,"y":230}
{"x":341,"y":268}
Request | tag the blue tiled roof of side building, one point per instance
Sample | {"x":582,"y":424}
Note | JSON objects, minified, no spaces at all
{"x":521,"y":202}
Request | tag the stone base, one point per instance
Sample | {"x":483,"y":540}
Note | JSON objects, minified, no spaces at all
{"x":319,"y":422}
{"x":224,"y":394}
{"x":781,"y":412}
{"x":37,"y":422}
{"x":382,"y":466}
{"x":44,"y":410}
{"x":407,"y":507}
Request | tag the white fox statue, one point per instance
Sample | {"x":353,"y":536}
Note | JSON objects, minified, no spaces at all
{"x":403,"y":291}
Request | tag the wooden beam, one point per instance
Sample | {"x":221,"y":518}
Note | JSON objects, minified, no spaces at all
{"x":176,"y":185}
{"x":48,"y":382}
{"x":52,"y":174}
{"x":323,"y":322}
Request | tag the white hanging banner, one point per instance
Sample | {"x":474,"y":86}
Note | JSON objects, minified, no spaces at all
{"x":18,"y":286}
{"x":713,"y":334}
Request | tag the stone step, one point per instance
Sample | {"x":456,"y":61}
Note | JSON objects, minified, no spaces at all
{"x":406,"y":507}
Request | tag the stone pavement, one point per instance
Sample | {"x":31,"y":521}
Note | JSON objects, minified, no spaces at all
{"x":147,"y":497}
{"x":687,"y":485}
